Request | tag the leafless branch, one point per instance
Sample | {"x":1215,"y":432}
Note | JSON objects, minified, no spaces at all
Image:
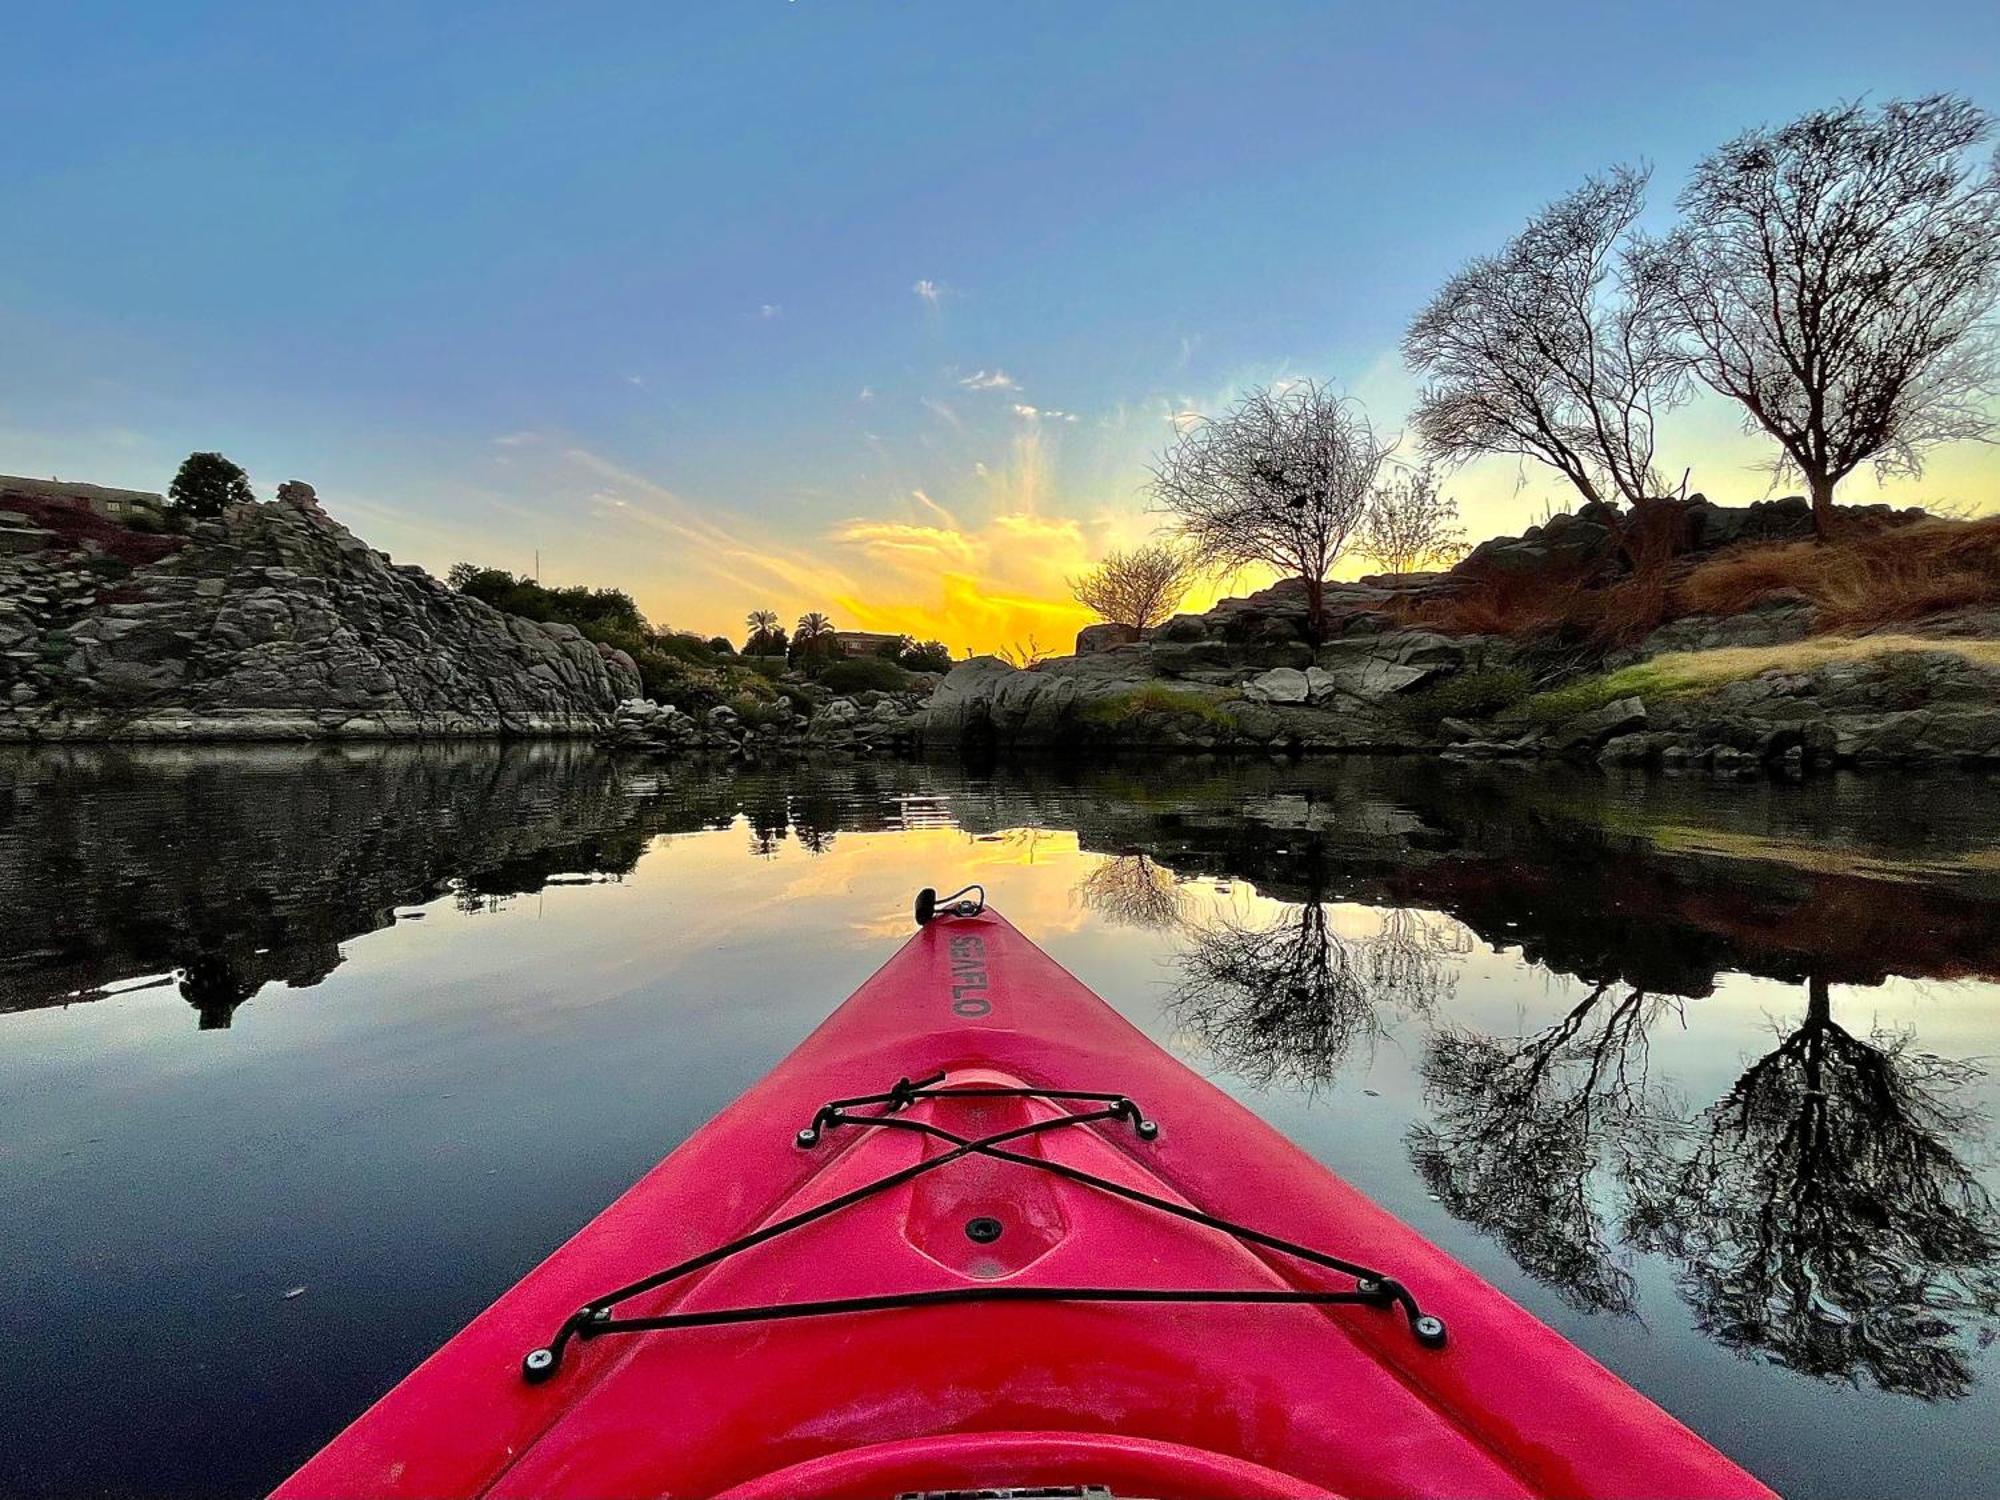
{"x":1550,"y":351}
{"x":1837,"y":276}
{"x":1281,"y":479}
{"x":1409,"y":525}
{"x":1138,"y":589}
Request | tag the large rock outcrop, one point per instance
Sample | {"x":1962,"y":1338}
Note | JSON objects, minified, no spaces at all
{"x":1245,"y":675}
{"x":276,"y":622}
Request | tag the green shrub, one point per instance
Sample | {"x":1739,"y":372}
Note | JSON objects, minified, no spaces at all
{"x":860,"y":674}
{"x":688,"y":648}
{"x":931,"y":656}
{"x":208,"y":484}
{"x":1156,"y":702}
{"x":696,"y":689}
{"x":1477,"y":694}
{"x":758,"y":712}
{"x":770,"y":668}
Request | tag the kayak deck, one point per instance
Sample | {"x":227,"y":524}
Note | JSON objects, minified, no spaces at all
{"x":970,"y":1360}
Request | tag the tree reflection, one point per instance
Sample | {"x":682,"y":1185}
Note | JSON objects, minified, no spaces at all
{"x":1821,"y":1216}
{"x":214,"y":986}
{"x":1133,"y":891}
{"x":1518,"y":1137}
{"x":1282,"y":1003}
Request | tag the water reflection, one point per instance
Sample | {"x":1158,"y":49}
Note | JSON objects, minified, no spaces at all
{"x":231,"y":871}
{"x":1824,"y":1211}
{"x":1520,"y":1126}
{"x":1283,"y":1001}
{"x":1821,"y":1213}
{"x":1134,"y":891}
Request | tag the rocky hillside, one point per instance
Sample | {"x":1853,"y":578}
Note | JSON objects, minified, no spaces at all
{"x":1767,"y":685}
{"x":272,"y":622}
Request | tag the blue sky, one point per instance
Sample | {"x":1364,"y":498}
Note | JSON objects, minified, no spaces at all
{"x":878,"y":308}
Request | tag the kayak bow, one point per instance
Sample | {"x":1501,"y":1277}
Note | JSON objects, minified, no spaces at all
{"x":1041,"y":1253}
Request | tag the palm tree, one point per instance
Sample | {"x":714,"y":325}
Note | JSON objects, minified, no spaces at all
{"x":767,"y":636}
{"x":813,"y":641}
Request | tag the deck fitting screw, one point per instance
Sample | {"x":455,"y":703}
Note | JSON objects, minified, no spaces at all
{"x":807,"y":1138}
{"x":1430,"y":1331}
{"x":1147,"y":1129}
{"x":982,"y":1230}
{"x":539,"y":1365}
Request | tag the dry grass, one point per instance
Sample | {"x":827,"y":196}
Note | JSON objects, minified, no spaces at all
{"x":1681,"y":673}
{"x":1860,"y":580}
{"x":1865,"y":578}
{"x":1695,"y":670}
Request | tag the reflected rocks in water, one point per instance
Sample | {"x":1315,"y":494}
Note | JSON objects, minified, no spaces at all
{"x":1821,"y":1214}
{"x":1520,"y":1128}
{"x":232,"y":869}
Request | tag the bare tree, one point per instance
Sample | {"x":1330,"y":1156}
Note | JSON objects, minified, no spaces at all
{"x":1137,"y":589}
{"x":1284,"y":1002}
{"x":1408,"y":524}
{"x":1836,"y":276}
{"x":1281,"y":478}
{"x":1551,"y":351}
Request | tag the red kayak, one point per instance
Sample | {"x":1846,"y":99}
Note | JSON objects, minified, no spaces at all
{"x":979,"y":1233}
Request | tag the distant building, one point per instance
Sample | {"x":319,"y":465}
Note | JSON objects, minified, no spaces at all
{"x":864,"y":642}
{"x":114,"y":505}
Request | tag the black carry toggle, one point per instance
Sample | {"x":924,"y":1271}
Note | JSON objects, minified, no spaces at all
{"x":930,"y":904}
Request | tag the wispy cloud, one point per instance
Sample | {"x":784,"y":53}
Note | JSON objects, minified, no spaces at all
{"x":1036,"y":413}
{"x":934,"y":508}
{"x":942,"y":412}
{"x":513,"y":439}
{"x":932,"y":292}
{"x":902,"y":545}
{"x":990,"y":380}
{"x":768,"y":311}
{"x":867,"y":393}
{"x":751,"y":564}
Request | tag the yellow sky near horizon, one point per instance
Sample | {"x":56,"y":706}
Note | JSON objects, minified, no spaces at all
{"x":986,"y":566}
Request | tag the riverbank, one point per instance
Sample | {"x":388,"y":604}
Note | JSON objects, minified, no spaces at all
{"x":1790,"y":680}
{"x":1692,"y":636}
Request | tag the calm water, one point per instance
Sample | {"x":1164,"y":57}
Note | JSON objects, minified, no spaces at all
{"x":305,"y":1056}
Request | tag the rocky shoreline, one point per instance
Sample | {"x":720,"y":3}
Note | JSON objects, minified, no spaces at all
{"x":1740,"y":695}
{"x":820,"y":725}
{"x":272,"y":622}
